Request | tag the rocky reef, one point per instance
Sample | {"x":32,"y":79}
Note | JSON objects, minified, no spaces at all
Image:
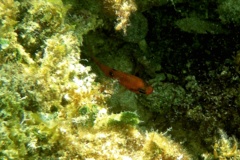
{"x":55,"y":102}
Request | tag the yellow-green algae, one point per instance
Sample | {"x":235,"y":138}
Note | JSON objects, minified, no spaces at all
{"x":51,"y":106}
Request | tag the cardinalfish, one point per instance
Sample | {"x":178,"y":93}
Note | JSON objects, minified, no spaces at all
{"x":131,"y":82}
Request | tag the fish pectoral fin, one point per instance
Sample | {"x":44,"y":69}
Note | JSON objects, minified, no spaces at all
{"x":143,"y":91}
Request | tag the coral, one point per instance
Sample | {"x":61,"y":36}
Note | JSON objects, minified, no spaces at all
{"x":122,"y":9}
{"x":224,"y":148}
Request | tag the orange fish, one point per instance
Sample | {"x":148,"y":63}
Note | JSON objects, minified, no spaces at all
{"x":131,"y":82}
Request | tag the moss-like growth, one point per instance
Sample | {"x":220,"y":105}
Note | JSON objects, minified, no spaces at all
{"x":51,"y":107}
{"x":166,"y":97}
{"x":42,"y":21}
{"x":125,"y":118}
{"x":10,"y":50}
{"x":224,"y":148}
{"x":228,"y":11}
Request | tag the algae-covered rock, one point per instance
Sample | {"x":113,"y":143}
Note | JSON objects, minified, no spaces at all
{"x":137,"y":30}
{"x":51,"y":106}
{"x":55,"y":103}
{"x":165,"y":96}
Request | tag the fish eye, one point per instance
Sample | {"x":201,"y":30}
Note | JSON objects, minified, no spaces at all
{"x":140,"y":90}
{"x":111,"y":73}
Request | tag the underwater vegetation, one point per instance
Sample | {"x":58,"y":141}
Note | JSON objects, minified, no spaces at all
{"x":50,"y":105}
{"x":55,"y":103}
